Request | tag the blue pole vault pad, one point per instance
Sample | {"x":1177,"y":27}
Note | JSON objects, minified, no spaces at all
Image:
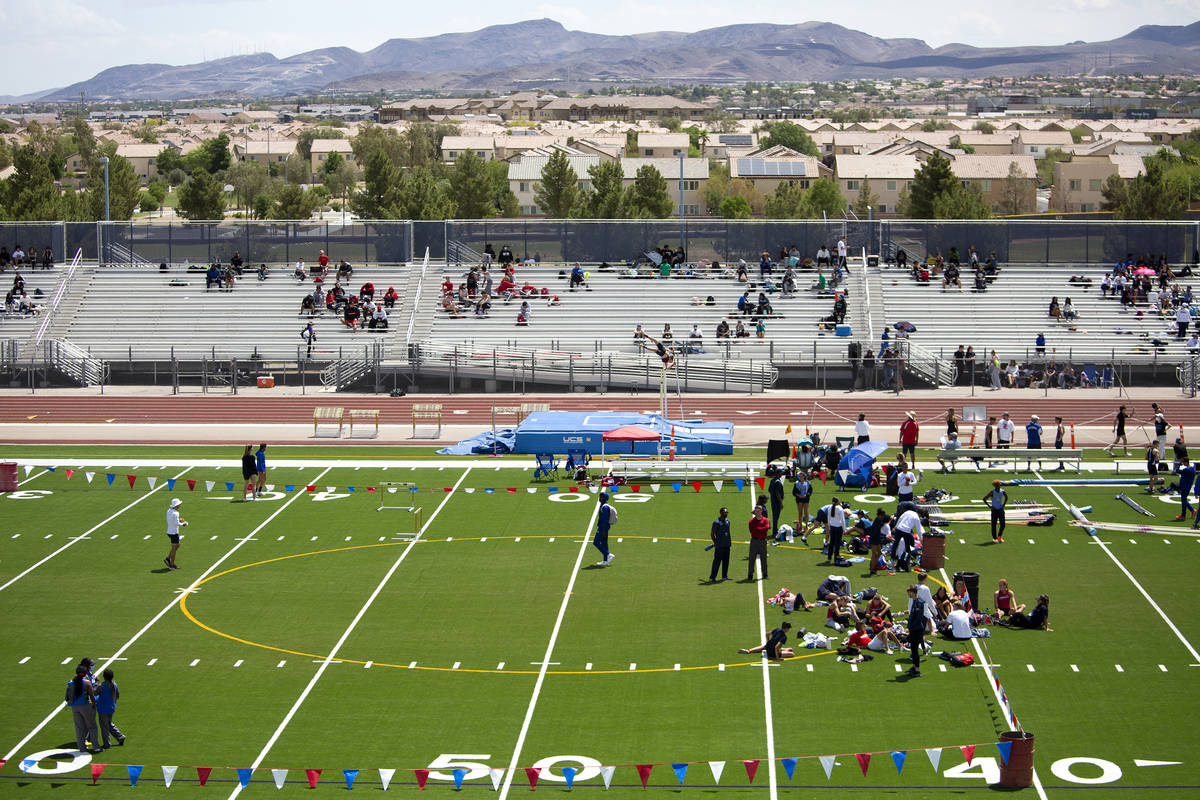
{"x":558,"y":431}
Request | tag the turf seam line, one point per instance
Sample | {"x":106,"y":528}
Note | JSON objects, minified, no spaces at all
{"x":537,"y":686}
{"x":133,"y":639}
{"x":768,"y":713}
{"x":75,"y":539}
{"x":329,"y":659}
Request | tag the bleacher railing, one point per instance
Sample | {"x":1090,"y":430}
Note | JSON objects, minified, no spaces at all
{"x":47,"y":312}
{"x":346,"y":371}
{"x":1189,"y":376}
{"x":75,"y":363}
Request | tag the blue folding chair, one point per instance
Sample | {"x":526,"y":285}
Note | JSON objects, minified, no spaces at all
{"x":546,"y":465}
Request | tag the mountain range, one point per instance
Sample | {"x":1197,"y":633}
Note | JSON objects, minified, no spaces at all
{"x":543,"y":53}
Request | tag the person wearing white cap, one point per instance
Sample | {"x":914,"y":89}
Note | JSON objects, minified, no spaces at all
{"x":1161,"y":426}
{"x":174,"y":523}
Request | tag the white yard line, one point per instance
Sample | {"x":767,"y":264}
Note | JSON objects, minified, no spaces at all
{"x":79,"y":538}
{"x":330,"y":658}
{"x":34,"y":477}
{"x":991,"y":680}
{"x":772,"y":774}
{"x":121,"y":651}
{"x":545,"y":665}
{"x":1191,"y":650}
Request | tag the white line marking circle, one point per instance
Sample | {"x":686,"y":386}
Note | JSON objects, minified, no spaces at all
{"x":1063,"y":769}
{"x":78,"y":760}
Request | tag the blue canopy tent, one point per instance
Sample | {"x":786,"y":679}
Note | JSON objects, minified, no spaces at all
{"x":854,"y":470}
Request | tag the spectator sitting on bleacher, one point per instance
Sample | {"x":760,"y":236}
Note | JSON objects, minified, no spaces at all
{"x":212,"y":277}
{"x":351,"y":313}
{"x":1193,"y":345}
{"x":723,"y":330}
{"x":483,"y":305}
{"x":1049,"y":376}
{"x":760,"y":327}
{"x":764,"y":304}
{"x":1055,"y":309}
{"x":18,"y":255}
{"x":263,"y":272}
{"x":740,"y":332}
{"x":744,"y":306}
{"x":576,"y":277}
{"x":447,"y":286}
{"x":788,"y":285}
{"x":507,"y":289}
{"x":367,"y":290}
{"x":764,"y":265}
{"x":980,"y":279}
{"x":390,"y":297}
{"x":472,"y":282}
{"x":506,"y":256}
{"x":951,"y":274}
{"x":667,"y":336}
{"x":379,"y":319}
{"x":901,"y":258}
{"x":318,"y":298}
{"x":953,"y":258}
{"x":695,"y":333}
{"x":839,"y":309}
{"x":823,"y":256}
{"x":1067,"y":377}
{"x":5,"y":257}
{"x":1012,"y":373}
{"x":1068,"y":310}
{"x":990,"y":267}
{"x":524,"y":311}
{"x":306,"y":305}
{"x":742,"y":274}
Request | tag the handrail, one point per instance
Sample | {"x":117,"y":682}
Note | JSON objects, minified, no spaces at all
{"x":40,"y":332}
{"x":416,"y":302}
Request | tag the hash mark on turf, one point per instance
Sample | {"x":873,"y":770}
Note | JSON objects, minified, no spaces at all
{"x":1065,"y":541}
{"x":212,"y":538}
{"x":347,"y":538}
{"x":677,"y":668}
{"x":1133,"y":541}
{"x":810,"y":669}
{"x":1166,"y":541}
{"x":26,"y":658}
{"x":687,"y":541}
{"x":280,"y":664}
{"x":899,"y":668}
{"x":483,"y":539}
{"x":313,"y":539}
{"x":368,"y":665}
{"x":1074,"y":668}
{"x":655,"y":540}
{"x":1119,"y":667}
{"x":1030,"y":666}
{"x":551,"y":539}
{"x":962,"y":541}
{"x":144,"y":538}
{"x":720,"y":667}
{"x":500,"y":666}
{"x":517,"y":539}
{"x":65,"y":661}
{"x":238,"y":663}
{"x":280,"y":539}
{"x":619,"y":540}
{"x":195,"y":661}
{"x":1032,"y":542}
{"x":412,"y":665}
{"x":942,"y":667}
{"x":632,"y":667}
{"x":457,"y":664}
{"x":587,"y":667}
{"x":1162,"y":667}
{"x":854,"y":667}
{"x":16,"y":535}
{"x":151,"y":662}
{"x":48,"y":535}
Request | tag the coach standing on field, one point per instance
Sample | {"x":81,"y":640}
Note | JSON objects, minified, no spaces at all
{"x":722,"y":543}
{"x":760,"y":527}
{"x":174,"y":523}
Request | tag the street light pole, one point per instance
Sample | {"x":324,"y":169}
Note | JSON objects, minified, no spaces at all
{"x":104,"y":161}
{"x":681,"y":244}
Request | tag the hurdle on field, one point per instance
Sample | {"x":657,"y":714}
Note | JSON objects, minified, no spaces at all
{"x":418,"y":516}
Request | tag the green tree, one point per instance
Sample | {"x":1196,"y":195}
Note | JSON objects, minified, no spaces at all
{"x":716,"y":188}
{"x":785,"y":202}
{"x":822,"y":199}
{"x":866,"y":199}
{"x":262,"y":206}
{"x":84,"y":142}
{"x":422,"y":196}
{"x":983,"y":126}
{"x":423,"y":143}
{"x":333,"y":162}
{"x":212,"y":156}
{"x":297,"y":170}
{"x":648,"y":197}
{"x":124,"y":188}
{"x":341,"y":181}
{"x":931,"y":125}
{"x":1151,"y":196}
{"x":5,"y":154}
{"x":961,"y":202}
{"x":789,"y":134}
{"x":932,"y":179}
{"x":293,"y":202}
{"x":168,"y":162}
{"x":555,"y":193}
{"x":735,"y":207}
{"x":1079,"y":133}
{"x":471,"y":189}
{"x":1114,"y":192}
{"x":378,"y":198}
{"x":1045,"y":164}
{"x":201,"y":197}
{"x":672,"y":124}
{"x":607,"y":192}
{"x":249,"y":179}
{"x":1017,"y":194}
{"x":371,"y":137}
{"x":31,"y":191}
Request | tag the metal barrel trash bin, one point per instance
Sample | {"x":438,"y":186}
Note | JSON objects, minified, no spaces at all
{"x":1017,"y":773}
{"x":933,"y":551}
{"x":8,"y":476}
{"x":971,"y":579}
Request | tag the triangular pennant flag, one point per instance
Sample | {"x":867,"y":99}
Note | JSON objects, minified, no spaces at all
{"x":614,"y":489}
{"x":469,"y":491}
{"x":191,"y":485}
{"x":109,"y":477}
{"x":280,"y":777}
{"x":371,"y":489}
{"x":1005,"y":749}
{"x":1013,"y":715}
{"x":761,"y":481}
{"x":511,"y":491}
{"x":290,"y":487}
{"x":489,"y":491}
{"x":202,"y":774}
{"x":229,"y":486}
{"x":637,"y":487}
{"x":654,"y":487}
{"x":28,"y":469}
{"x":606,"y":773}
{"x":552,"y":490}
{"x":739,"y":483}
{"x":532,"y":774}
{"x":643,"y":771}
{"x":89,"y":476}
{"x":718,"y":484}
{"x":314,"y":775}
{"x":717,"y":768}
{"x":935,"y":756}
{"x":51,"y":469}
{"x":270,"y":487}
{"x":593,"y":489}
{"x":529,"y":489}
{"x":132,"y":480}
{"x":310,"y":488}
{"x":422,"y":776}
{"x":169,"y":775}
{"x":208,"y":485}
{"x":864,"y":761}
{"x":569,"y":774}
{"x":170,"y":484}
{"x":823,"y":475}
{"x":70,"y":474}
{"x":827,"y":765}
{"x":997,"y":678}
{"x":789,"y":429}
{"x":26,"y":764}
{"x":458,"y":777}
{"x":135,"y":772}
{"x":696,"y":485}
{"x":680,"y":771}
{"x":330,"y":489}
{"x":751,"y":769}
{"x":151,"y":481}
{"x":572,"y":488}
{"x":968,"y":751}
{"x":244,"y":774}
{"x":496,"y":775}
{"x":96,"y":770}
{"x":676,"y":487}
{"x":350,"y":775}
{"x":348,"y":489}
{"x":898,"y":757}
{"x":385,"y":776}
{"x":789,"y":766}
{"x":414,"y":489}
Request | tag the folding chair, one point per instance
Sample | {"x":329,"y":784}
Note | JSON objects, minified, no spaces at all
{"x":576,"y":459}
{"x":545,"y":466}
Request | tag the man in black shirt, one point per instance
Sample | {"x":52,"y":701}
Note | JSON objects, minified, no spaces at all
{"x":775,"y":492}
{"x":774,"y":646}
{"x":722,"y":541}
{"x":916,"y":631}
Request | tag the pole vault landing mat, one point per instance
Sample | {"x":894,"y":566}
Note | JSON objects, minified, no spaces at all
{"x":560,"y":431}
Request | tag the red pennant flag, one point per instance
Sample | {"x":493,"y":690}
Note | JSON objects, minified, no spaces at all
{"x":310,"y":488}
{"x":202,"y":773}
{"x":696,"y":485}
{"x":70,"y":474}
{"x":450,"y":489}
{"x":762,"y":482}
{"x":370,"y":488}
{"x":572,"y":488}
{"x":997,"y":683}
{"x":96,"y":770}
{"x":823,"y":476}
{"x":532,"y":773}
{"x":312,"y":775}
{"x":644,"y":773}
{"x":422,"y":776}
{"x":191,"y":485}
{"x":968,"y":751}
{"x":751,"y":768}
{"x":3,"y":761}
{"x":637,"y":487}
{"x":864,"y":759}
{"x":511,"y":491}
{"x":132,"y":480}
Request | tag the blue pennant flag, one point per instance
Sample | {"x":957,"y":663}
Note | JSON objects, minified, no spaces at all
{"x":134,"y":773}
{"x":349,"y":488}
{"x":458,"y":777}
{"x":488,"y":491}
{"x":680,"y":771}
{"x":350,"y":775}
{"x":108,"y":476}
{"x":170,"y":484}
{"x":789,"y":766}
{"x":289,"y":487}
{"x":244,"y":776}
{"x":28,"y":764}
{"x":50,"y":469}
{"x":229,"y":486}
{"x":739,"y":483}
{"x":569,"y":774}
{"x":898,"y":756}
{"x":1005,"y":749}
{"x":552,"y":489}
{"x":676,"y":486}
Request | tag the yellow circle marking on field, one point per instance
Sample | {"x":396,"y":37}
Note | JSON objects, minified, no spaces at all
{"x":183,"y":606}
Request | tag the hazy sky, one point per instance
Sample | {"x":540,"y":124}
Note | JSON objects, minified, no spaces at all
{"x":52,"y":43}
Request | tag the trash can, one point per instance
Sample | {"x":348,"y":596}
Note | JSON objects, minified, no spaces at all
{"x":933,"y":551}
{"x":1017,"y":773}
{"x":8,"y":476}
{"x":971,"y":579}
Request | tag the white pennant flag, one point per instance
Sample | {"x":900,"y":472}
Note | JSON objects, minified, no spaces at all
{"x":89,"y":476}
{"x":208,"y":485}
{"x":827,"y":764}
{"x":717,"y":768}
{"x":270,"y":487}
{"x":280,"y":776}
{"x":469,"y":490}
{"x":330,"y":489}
{"x":935,"y":756}
{"x":718,"y":484}
{"x":385,"y":776}
{"x":391,"y":490}
{"x":28,"y":469}
{"x":654,"y":487}
{"x":496,"y":776}
{"x":169,"y":775}
{"x":593,"y":489}
{"x":531,"y":489}
{"x":151,"y":481}
{"x":607,"y":773}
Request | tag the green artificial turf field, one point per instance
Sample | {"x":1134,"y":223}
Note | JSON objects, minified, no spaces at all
{"x":309,"y":631}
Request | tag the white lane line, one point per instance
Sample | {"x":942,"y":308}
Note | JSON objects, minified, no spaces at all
{"x":195,"y":661}
{"x":281,"y":664}
{"x":238,"y":663}
{"x":152,"y":662}
{"x":537,"y":686}
{"x":73,"y":540}
{"x":981,"y":660}
{"x":1138,"y":586}
{"x":1119,"y":668}
{"x":26,"y":658}
{"x":772,"y":776}
{"x":329,"y":659}
{"x":165,"y":609}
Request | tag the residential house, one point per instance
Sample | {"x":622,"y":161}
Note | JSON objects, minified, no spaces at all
{"x":768,"y":168}
{"x":525,"y":170}
{"x":143,"y":158}
{"x":323,"y":148}
{"x":1079,"y":183}
{"x":662,"y":145}
{"x":1037,"y":143}
{"x":991,"y":172}
{"x":695,"y":178}
{"x":454,"y":146}
{"x":888,"y":176}
{"x":265,"y":152}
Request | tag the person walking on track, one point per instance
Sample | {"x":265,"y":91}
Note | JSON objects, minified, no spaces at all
{"x":996,"y":500}
{"x":605,"y":518}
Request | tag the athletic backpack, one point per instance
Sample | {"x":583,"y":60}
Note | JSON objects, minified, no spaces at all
{"x":612,"y":516}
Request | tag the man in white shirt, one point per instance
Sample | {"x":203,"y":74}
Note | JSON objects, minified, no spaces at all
{"x":174,"y":523}
{"x":960,"y":622}
{"x":835,"y":529}
{"x":1183,"y":318}
{"x":951,"y":443}
{"x":862,"y":429}
{"x":841,"y":251}
{"x":907,"y":531}
{"x":823,"y":256}
{"x":1004,"y":431}
{"x":925,"y":596}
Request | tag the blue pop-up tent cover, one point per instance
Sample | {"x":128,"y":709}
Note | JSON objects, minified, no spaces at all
{"x":483,"y":443}
{"x":854,"y":470}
